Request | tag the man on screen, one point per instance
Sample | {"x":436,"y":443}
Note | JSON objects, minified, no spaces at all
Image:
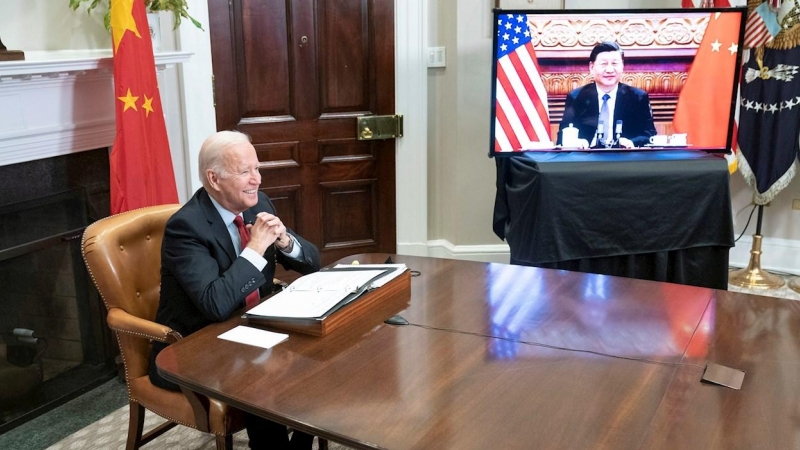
{"x":625,"y":112}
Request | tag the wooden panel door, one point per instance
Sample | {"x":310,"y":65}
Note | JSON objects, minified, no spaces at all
{"x":294,"y":75}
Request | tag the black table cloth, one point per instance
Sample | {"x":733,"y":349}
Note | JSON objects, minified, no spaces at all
{"x":661,"y":215}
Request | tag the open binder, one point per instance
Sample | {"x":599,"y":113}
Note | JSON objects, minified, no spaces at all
{"x":308,"y":304}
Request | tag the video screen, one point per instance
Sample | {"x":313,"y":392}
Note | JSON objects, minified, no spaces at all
{"x":589,"y":80}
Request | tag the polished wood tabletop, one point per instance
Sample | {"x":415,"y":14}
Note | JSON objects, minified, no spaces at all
{"x":511,"y":357}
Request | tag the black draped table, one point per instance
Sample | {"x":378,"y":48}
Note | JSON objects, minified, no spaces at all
{"x":660,"y":215}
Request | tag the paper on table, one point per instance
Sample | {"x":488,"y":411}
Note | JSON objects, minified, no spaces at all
{"x":399,"y":269}
{"x":254,"y":336}
{"x":298,"y":304}
{"x":311,"y":296}
{"x":315,"y":294}
{"x":334,"y":280}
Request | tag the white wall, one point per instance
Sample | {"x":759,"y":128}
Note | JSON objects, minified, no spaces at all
{"x":48,"y":25}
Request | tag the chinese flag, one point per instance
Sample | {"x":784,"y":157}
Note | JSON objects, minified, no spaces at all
{"x":141,"y":165}
{"x":704,"y":105}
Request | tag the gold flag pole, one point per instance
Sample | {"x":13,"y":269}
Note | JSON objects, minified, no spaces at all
{"x":753,"y":277}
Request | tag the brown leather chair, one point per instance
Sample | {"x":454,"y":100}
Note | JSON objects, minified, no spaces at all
{"x":123,"y":256}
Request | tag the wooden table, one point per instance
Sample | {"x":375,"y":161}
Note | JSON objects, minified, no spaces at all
{"x":442,"y":384}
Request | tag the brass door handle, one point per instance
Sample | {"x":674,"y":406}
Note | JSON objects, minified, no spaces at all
{"x":379,"y":127}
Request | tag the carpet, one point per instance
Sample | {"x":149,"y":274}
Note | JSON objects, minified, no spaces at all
{"x":111,"y":432}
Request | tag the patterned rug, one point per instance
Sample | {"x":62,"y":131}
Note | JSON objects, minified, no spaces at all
{"x":111,"y":432}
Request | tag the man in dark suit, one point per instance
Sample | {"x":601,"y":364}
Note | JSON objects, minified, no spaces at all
{"x":206,"y":272}
{"x":609,"y":101}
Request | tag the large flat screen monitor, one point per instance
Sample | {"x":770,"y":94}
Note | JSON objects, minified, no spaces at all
{"x":615,"y":79}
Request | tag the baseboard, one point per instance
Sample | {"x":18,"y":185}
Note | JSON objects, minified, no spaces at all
{"x":442,"y":248}
{"x":777,"y":255}
{"x":419,"y":249}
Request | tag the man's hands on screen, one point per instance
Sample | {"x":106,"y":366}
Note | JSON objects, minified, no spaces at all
{"x":625,"y":142}
{"x":266,"y":230}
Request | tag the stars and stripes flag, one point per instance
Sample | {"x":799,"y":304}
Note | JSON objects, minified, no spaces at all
{"x":762,"y":26}
{"x":141,"y":165}
{"x":521,"y":113}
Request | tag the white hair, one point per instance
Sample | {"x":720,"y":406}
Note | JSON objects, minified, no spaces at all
{"x":212,"y":152}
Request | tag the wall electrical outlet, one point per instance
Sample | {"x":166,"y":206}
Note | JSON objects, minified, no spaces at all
{"x":796,"y":204}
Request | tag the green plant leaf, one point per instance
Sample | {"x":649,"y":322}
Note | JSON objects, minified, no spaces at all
{"x":179,"y":9}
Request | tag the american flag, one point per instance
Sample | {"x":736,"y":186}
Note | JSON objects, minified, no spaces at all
{"x":521,"y":115}
{"x":762,"y":26}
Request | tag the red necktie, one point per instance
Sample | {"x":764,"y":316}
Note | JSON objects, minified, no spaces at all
{"x":244,"y":236}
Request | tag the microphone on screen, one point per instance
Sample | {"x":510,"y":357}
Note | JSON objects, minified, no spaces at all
{"x":600,"y":128}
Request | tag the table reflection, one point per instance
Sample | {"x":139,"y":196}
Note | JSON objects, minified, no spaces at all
{"x":551,"y":308}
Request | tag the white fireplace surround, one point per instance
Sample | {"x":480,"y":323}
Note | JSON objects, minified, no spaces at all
{"x":57,"y":103}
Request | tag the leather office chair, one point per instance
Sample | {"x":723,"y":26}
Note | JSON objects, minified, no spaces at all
{"x":123,"y":256}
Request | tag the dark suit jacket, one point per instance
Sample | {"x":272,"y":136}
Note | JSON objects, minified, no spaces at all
{"x":202,"y":279}
{"x":632,"y":108}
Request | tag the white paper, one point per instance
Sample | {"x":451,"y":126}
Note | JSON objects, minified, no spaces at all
{"x":315,"y":294}
{"x":254,"y":336}
{"x":348,"y":281}
{"x":399,"y":269}
{"x":288,"y":303}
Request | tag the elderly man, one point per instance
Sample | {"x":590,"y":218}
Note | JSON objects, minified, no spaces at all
{"x":212,"y":264}
{"x":610,"y":102}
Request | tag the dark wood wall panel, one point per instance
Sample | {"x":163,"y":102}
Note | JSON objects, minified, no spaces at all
{"x":349,"y":212}
{"x":287,"y":203}
{"x":345,"y":150}
{"x":264,"y":45}
{"x":344,"y":69}
{"x":278,"y":154}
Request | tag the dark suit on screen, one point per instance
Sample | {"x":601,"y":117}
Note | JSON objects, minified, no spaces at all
{"x":202,"y":279}
{"x":632,"y":107}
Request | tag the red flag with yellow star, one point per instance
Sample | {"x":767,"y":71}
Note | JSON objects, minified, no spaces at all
{"x":704,"y":105}
{"x":141,"y":165}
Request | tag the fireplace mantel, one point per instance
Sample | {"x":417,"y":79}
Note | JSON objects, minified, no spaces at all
{"x":56,"y":103}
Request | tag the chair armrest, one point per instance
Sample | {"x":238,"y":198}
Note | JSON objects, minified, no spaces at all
{"x":123,"y":322}
{"x":200,"y":408}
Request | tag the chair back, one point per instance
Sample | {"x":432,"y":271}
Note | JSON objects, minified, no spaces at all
{"x":123,"y":256}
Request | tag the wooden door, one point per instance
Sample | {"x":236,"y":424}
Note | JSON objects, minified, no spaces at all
{"x":294,"y":75}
